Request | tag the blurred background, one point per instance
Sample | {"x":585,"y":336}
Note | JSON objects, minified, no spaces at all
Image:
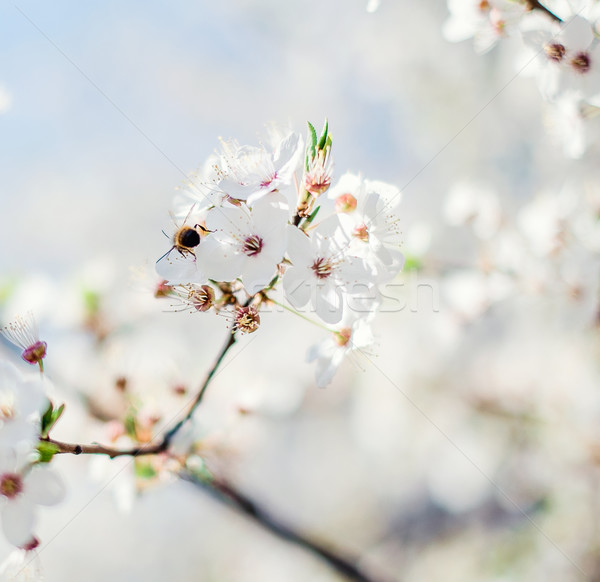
{"x":464,"y":448}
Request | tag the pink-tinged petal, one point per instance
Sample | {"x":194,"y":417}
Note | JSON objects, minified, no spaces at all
{"x":18,"y":520}
{"x":371,"y":207}
{"x":269,"y":220}
{"x":9,"y":376}
{"x":354,"y":270}
{"x":257,"y":273}
{"x":577,"y":34}
{"x":549,"y":80}
{"x":299,"y":248}
{"x":235,"y":189}
{"x":220,"y":262}
{"x":329,"y":303}
{"x":44,"y":487}
{"x":329,"y":227}
{"x":31,"y":397}
{"x":296,"y":286}
{"x":592,"y":78}
{"x":178,"y":268}
{"x":288,"y":155}
{"x":18,"y":431}
{"x":232,"y":220}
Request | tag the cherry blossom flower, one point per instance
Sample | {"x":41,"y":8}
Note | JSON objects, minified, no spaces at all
{"x":23,"y":332}
{"x":178,"y":264}
{"x":368,"y":216}
{"x":474,"y":204}
{"x":567,"y":57}
{"x":250,"y":173}
{"x":22,"y":488}
{"x":245,"y":243}
{"x":322,"y":272}
{"x":22,"y":565}
{"x":486,"y":21}
{"x":22,"y":401}
{"x":352,"y":335}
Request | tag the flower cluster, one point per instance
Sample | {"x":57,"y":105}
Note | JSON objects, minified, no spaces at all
{"x":25,"y":479}
{"x":264,"y":216}
{"x":560,"y":47}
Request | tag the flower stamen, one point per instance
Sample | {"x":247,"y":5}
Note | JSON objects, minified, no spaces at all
{"x":322,"y":268}
{"x":252,"y":245}
{"x":11,"y":484}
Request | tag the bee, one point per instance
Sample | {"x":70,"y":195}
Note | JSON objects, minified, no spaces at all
{"x":186,"y":239}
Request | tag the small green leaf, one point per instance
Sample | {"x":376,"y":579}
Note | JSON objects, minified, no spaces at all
{"x":50,"y":418}
{"x":57,"y":414}
{"x":412,"y":263}
{"x":324,"y":136}
{"x":46,"y":451}
{"x":6,"y":289}
{"x":145,"y":470}
{"x":47,"y":420}
{"x":91,"y":300}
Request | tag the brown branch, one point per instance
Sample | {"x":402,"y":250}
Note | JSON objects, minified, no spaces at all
{"x":149,"y":448}
{"x":535,"y":5}
{"x":227,"y":494}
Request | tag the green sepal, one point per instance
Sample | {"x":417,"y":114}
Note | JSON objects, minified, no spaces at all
{"x":312,"y":148}
{"x":312,"y":215}
{"x":324,"y":136}
{"x":46,"y":451}
{"x":129,"y":424}
{"x":50,"y":418}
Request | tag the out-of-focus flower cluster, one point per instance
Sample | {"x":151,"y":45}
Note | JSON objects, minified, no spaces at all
{"x":26,"y":415}
{"x":559,"y":47}
{"x":260,"y":217}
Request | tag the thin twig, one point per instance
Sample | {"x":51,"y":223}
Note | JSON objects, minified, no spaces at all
{"x":149,"y":448}
{"x":226,"y":493}
{"x":535,"y":5}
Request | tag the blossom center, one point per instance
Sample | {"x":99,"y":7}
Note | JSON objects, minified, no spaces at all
{"x":498,"y":23}
{"x":252,"y":245}
{"x":361,"y":232}
{"x":555,"y":51}
{"x":266,"y":183}
{"x":322,"y":268}
{"x":7,"y":409}
{"x":246,"y":319}
{"x":202,"y":299}
{"x":484,"y":6}
{"x":581,"y":62}
{"x":11,"y":485}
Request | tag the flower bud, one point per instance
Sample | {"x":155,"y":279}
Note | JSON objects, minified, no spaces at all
{"x":23,"y":333}
{"x":345,"y":203}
